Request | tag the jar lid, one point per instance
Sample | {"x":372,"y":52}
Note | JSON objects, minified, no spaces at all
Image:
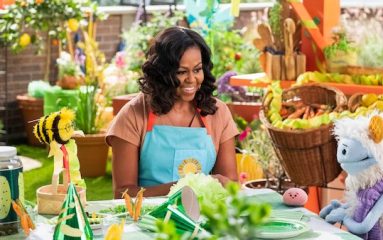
{"x":7,"y":152}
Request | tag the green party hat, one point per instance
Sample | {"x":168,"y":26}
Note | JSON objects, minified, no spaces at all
{"x":182,"y":207}
{"x":72,"y":222}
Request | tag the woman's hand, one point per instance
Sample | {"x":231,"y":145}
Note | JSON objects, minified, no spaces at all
{"x":222,"y":179}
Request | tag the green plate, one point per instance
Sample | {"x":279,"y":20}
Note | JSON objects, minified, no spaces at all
{"x":278,"y":228}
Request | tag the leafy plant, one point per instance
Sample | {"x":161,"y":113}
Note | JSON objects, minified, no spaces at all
{"x":138,"y":37}
{"x":118,"y":79}
{"x":67,"y":67}
{"x":40,"y":22}
{"x":44,"y":17}
{"x":207,"y":188}
{"x":230,"y":51}
{"x":370,"y":52}
{"x":236,"y":217}
{"x":341,"y":43}
{"x":89,"y":105}
{"x":275,"y":19}
{"x":254,"y":140}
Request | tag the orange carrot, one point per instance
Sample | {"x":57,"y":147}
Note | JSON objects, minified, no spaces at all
{"x":17,"y":208}
{"x":128,"y":202}
{"x":319,"y":106}
{"x":297,"y":114}
{"x":312,"y":113}
{"x":24,"y":224}
{"x":307,"y":111}
{"x":319,"y":112}
{"x":138,"y":204}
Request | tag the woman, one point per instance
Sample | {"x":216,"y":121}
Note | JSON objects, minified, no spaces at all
{"x":174,"y":126}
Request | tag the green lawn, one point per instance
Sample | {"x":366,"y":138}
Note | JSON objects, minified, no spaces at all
{"x":97,"y":188}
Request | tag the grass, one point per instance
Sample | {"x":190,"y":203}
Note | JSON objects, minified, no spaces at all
{"x":99,"y":188}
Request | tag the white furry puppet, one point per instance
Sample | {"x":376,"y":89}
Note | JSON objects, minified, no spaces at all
{"x":360,"y":154}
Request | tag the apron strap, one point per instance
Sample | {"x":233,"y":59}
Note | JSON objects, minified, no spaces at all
{"x":203,"y":121}
{"x":152,"y":118}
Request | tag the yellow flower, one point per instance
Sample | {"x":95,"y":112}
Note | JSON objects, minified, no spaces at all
{"x":24,"y":40}
{"x":73,"y":24}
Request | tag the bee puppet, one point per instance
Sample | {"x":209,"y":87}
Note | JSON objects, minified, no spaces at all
{"x":56,"y":130}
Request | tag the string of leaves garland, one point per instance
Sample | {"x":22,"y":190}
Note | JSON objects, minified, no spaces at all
{"x":236,"y":217}
{"x":39,"y":22}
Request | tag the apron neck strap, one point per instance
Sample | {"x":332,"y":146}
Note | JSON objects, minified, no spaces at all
{"x":202,"y":121}
{"x":152,"y":118}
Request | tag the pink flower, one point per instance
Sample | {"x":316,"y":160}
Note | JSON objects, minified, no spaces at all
{"x":120,"y":59}
{"x":244,"y":134}
{"x":242,"y":177}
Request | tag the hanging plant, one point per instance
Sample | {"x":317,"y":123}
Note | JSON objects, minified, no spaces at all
{"x":39,"y":22}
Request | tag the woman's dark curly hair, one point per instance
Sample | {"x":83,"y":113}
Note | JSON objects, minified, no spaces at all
{"x":160,"y":81}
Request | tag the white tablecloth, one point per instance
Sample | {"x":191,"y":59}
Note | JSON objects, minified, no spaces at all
{"x":319,"y":228}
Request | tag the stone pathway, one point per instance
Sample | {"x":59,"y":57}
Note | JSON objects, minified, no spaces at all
{"x":29,"y":163}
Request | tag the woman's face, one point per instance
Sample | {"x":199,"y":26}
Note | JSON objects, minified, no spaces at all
{"x":190,"y":74}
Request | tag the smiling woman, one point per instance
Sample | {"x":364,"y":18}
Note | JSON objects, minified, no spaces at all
{"x":175,"y":126}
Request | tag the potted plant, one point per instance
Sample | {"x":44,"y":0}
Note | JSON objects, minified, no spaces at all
{"x":120,"y":83}
{"x":70,"y":75}
{"x":92,"y":149}
{"x":254,"y":143}
{"x":341,"y":53}
{"x":38,"y":23}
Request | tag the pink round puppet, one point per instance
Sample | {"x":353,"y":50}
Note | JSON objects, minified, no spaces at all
{"x":295,"y":197}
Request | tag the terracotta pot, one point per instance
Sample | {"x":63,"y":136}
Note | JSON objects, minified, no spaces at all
{"x":31,"y":109}
{"x":119,"y":101}
{"x":248,"y":110}
{"x":70,"y":82}
{"x":92,"y":152}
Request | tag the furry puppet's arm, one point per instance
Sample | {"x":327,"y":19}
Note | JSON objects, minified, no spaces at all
{"x":366,"y":225}
{"x":330,"y":212}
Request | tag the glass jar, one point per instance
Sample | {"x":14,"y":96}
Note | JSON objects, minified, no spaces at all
{"x":11,"y":188}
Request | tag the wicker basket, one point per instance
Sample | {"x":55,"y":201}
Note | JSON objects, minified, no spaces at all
{"x":308,"y":156}
{"x":355,"y":101}
{"x":50,"y":198}
{"x":49,"y":202}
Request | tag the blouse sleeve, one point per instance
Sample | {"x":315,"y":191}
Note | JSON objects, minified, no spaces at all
{"x":127,"y":125}
{"x":229,"y":127}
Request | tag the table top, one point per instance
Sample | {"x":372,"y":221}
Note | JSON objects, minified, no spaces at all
{"x":319,"y":229}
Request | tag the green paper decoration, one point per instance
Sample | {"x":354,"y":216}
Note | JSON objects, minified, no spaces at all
{"x":72,"y":222}
{"x":181,"y":207}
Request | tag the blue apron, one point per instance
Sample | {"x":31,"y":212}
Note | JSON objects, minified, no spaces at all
{"x":169,"y":152}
